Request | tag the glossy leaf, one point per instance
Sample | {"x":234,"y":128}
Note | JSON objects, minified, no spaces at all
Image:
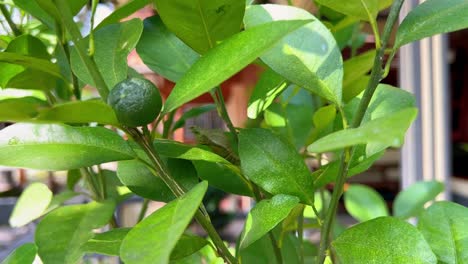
{"x":224,"y":177}
{"x":411,"y":201}
{"x":163,"y":52}
{"x":308,"y":57}
{"x":113,"y":43}
{"x":430,"y":18}
{"x":140,"y":180}
{"x":129,"y":8}
{"x":23,"y":254}
{"x":20,"y":109}
{"x":364,"y":203}
{"x":107,"y":243}
{"x":443,"y":225}
{"x":355,"y":68}
{"x":188,"y":245}
{"x":173,"y":149}
{"x":386,"y":131}
{"x":226,"y":59}
{"x":261,"y":251}
{"x":362,"y":9}
{"x":272,"y":163}
{"x":323,"y":120}
{"x":202,"y":24}
{"x":355,"y":88}
{"x":80,"y":112}
{"x":60,"y":147}
{"x":31,"y":62}
{"x":32,"y":203}
{"x":153,"y":239}
{"x":266,"y":90}
{"x":33,"y":8}
{"x":265,"y":216}
{"x":61,"y":241}
{"x":60,"y":199}
{"x":383,"y":240}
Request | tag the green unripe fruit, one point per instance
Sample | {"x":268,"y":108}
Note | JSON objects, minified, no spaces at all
{"x":136,"y":102}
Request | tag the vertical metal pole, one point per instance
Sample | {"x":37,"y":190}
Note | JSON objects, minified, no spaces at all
{"x":423,"y":72}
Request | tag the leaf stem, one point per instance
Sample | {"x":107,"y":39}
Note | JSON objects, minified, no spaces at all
{"x":10,"y":22}
{"x":201,"y":216}
{"x":375,"y":78}
{"x":300,"y":235}
{"x":144,"y":208}
{"x":222,"y":111}
{"x":90,"y":64}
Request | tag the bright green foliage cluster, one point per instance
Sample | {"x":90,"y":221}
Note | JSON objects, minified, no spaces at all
{"x":310,"y":106}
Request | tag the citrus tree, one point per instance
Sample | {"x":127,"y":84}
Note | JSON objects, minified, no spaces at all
{"x":308,"y":104}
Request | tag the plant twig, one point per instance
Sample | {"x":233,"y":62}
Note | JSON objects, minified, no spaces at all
{"x":375,"y":78}
{"x":10,"y":22}
{"x":201,"y":216}
{"x":144,"y":208}
{"x":300,"y":234}
{"x":222,"y":111}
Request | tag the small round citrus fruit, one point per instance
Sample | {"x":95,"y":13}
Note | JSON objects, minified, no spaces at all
{"x":136,"y":102}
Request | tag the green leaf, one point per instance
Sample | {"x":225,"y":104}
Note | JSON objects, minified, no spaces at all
{"x":62,"y":233}
{"x":33,"y":8}
{"x":321,"y":204}
{"x":193,"y":112}
{"x":31,"y":62}
{"x":308,"y":57}
{"x":266,"y":90}
{"x":364,"y":203}
{"x":224,"y":177}
{"x":430,"y":18}
{"x":129,"y":8}
{"x":323,"y":121}
{"x":443,"y":225}
{"x":273,"y":164}
{"x":32,"y":203}
{"x":73,"y":177}
{"x":113,"y":43}
{"x":107,"y":243}
{"x":59,"y":199}
{"x":163,"y":52}
{"x":203,"y":23}
{"x":80,"y":112}
{"x":140,"y":180}
{"x":153,"y":239}
{"x":24,"y":254}
{"x":261,"y":251}
{"x":226,"y":59}
{"x":410,"y":202}
{"x":361,"y":9}
{"x":20,"y":109}
{"x":265,"y":216}
{"x":173,"y":149}
{"x":386,"y":131}
{"x":187,"y":245}
{"x":354,"y":69}
{"x":383,"y":240}
{"x":355,"y":88}
{"x":60,"y":147}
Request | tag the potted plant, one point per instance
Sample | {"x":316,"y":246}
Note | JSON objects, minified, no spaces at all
{"x":309,"y":104}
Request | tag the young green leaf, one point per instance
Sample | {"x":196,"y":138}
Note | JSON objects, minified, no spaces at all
{"x":123,"y":11}
{"x":265,"y":216}
{"x":163,"y":52}
{"x":33,"y":8}
{"x":356,"y":67}
{"x":24,"y":254}
{"x":223,"y":177}
{"x":107,"y":243}
{"x":187,"y":245}
{"x":193,"y":112}
{"x":32,"y":203}
{"x":20,"y":109}
{"x":60,"y":147}
{"x":62,"y":233}
{"x":173,"y":149}
{"x":261,"y":251}
{"x":386,"y":131}
{"x":140,"y":180}
{"x":383,"y":240}
{"x":443,"y":225}
{"x":362,"y":9}
{"x":113,"y":43}
{"x":229,"y":57}
{"x":364,"y":203}
{"x":79,"y":112}
{"x":266,"y":90}
{"x":308,"y":57}
{"x":153,"y":239}
{"x":274,"y":164}
{"x":430,"y":18}
{"x":203,"y":23}
{"x":411,"y":201}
